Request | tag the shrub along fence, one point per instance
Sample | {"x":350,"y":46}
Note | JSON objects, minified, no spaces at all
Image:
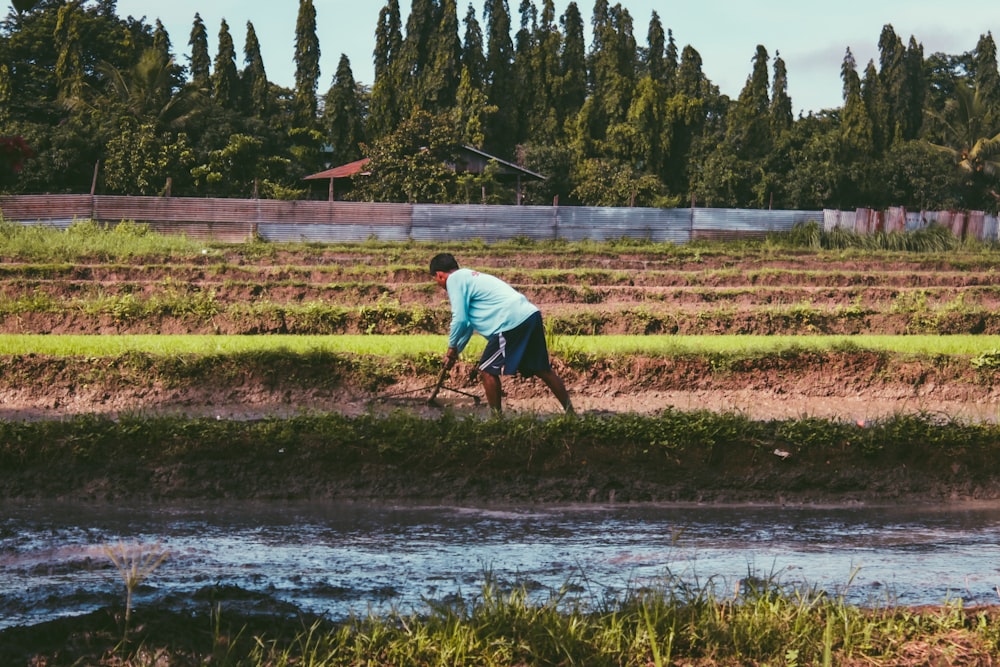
{"x":237,"y":220}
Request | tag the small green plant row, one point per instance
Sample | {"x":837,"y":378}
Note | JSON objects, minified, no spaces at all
{"x":202,"y":312}
{"x":38,"y":294}
{"x":382,"y":316}
{"x":395,"y":348}
{"x":579,"y":275}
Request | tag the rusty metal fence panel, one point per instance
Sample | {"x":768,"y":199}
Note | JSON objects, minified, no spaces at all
{"x":602,"y":223}
{"x":438,"y":222}
{"x":975,"y":223}
{"x":228,"y":220}
{"x":333,"y":213}
{"x":55,"y":210}
{"x":331,"y":233}
{"x":895,"y":219}
{"x":834,"y":219}
{"x":735,"y":223}
{"x":991,"y":229}
{"x":333,"y":222}
{"x":915,"y":220}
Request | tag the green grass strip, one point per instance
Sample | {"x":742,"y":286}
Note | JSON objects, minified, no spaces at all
{"x":415,"y":345}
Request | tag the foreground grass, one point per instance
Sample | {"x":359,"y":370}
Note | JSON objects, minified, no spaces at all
{"x":416,"y":344}
{"x":667,"y":624}
{"x":761,"y":624}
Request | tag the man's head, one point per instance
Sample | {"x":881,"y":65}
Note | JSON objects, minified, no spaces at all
{"x":441,"y":266}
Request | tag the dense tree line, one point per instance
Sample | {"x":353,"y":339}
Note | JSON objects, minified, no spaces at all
{"x":619,"y":121}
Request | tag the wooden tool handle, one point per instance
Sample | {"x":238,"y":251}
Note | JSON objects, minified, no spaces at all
{"x":438,"y":384}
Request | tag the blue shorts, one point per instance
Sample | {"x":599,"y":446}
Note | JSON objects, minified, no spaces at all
{"x":520,"y":350}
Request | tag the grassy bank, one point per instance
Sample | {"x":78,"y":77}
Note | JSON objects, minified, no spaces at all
{"x":761,"y":623}
{"x":673,"y":456}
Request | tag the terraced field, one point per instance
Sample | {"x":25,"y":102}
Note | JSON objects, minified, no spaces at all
{"x":667,"y":419}
{"x":583,"y":291}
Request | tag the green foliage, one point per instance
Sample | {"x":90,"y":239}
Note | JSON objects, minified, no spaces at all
{"x":410,"y":165}
{"x":622,"y":125}
{"x":969,"y":124}
{"x":237,"y":168}
{"x":809,"y":235}
{"x":449,"y":441}
{"x":87,"y":240}
{"x":987,"y":360}
{"x":613,"y":183}
{"x":386,"y":316}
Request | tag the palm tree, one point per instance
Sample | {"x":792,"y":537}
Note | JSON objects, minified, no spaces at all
{"x":145,"y":92}
{"x":966,"y":123}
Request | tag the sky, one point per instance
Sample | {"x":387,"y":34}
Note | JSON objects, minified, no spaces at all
{"x":812,"y":38}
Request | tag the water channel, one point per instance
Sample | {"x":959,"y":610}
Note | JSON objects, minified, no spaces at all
{"x":341,"y":559}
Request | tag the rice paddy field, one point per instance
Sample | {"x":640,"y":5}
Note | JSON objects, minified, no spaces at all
{"x":803,"y":325}
{"x":810,"y":368}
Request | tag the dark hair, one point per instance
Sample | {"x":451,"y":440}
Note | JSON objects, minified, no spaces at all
{"x":445,"y":262}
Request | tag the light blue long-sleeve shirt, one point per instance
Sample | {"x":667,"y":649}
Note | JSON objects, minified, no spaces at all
{"x":484,"y":304}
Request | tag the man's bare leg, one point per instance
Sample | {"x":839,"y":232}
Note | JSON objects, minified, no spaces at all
{"x":494,"y":395}
{"x":558,"y":388}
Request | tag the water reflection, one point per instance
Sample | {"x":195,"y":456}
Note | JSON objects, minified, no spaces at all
{"x":338,"y":559}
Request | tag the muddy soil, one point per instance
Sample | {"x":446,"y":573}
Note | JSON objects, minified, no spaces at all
{"x":847,"y":386}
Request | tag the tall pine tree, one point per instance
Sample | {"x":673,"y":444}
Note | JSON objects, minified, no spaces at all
{"x":912,"y":92}
{"x":781,"y":103}
{"x":548,"y":115}
{"x":444,"y":67}
{"x":343,"y":114}
{"x":226,"y":78}
{"x":656,"y":43}
{"x":891,"y":78}
{"x":855,"y":123}
{"x":987,"y":77}
{"x":200,"y":60}
{"x":385,"y":109}
{"x":415,"y":55}
{"x":573,"y":61}
{"x":872,"y":96}
{"x":254,"y":80}
{"x":525,"y":69}
{"x":614,"y":67}
{"x":670,"y":63}
{"x":500,"y":81}
{"x":69,"y":61}
{"x":306,"y":65}
{"x":473,"y":57}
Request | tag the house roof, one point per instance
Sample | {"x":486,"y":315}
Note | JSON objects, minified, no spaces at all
{"x":509,"y":167}
{"x":343,"y":171}
{"x":358,"y":167}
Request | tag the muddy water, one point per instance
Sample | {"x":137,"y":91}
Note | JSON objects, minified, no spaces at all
{"x":338,"y":559}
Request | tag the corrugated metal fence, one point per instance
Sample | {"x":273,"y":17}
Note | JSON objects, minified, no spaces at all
{"x":324,"y":221}
{"x":963,"y":224}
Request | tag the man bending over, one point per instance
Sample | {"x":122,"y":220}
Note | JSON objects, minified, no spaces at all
{"x":512,"y":326}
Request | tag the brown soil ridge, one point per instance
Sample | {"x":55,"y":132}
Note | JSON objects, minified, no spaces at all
{"x":848,"y":386}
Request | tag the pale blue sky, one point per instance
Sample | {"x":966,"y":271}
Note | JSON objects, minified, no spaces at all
{"x":811,"y":37}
